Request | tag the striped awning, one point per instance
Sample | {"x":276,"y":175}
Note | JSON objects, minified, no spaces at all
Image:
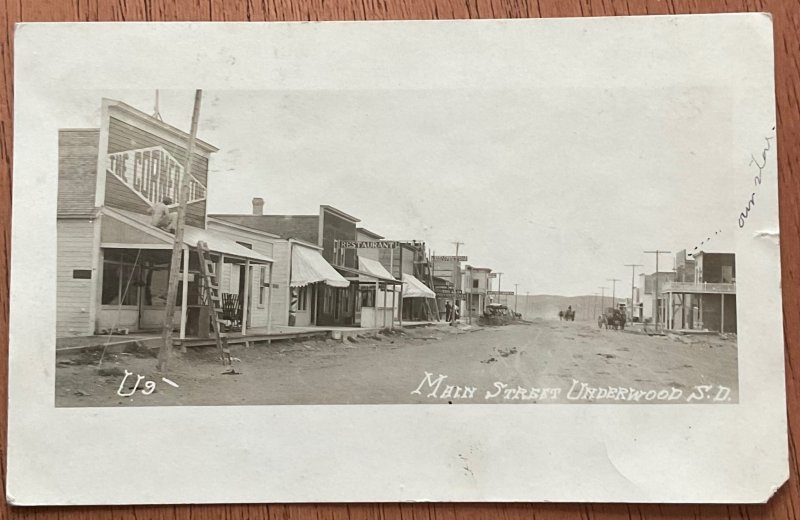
{"x":308,"y":266}
{"x":373,"y":270}
{"x":413,"y":288}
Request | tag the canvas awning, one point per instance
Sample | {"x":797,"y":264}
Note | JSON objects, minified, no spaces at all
{"x":308,"y":266}
{"x":413,"y":288}
{"x":138,"y":232}
{"x":220,"y":244}
{"x":373,"y":270}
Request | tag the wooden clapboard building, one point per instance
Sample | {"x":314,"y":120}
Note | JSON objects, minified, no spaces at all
{"x":113,"y":264}
{"x":323,"y":280}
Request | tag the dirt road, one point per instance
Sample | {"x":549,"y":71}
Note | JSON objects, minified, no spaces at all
{"x":537,"y":362}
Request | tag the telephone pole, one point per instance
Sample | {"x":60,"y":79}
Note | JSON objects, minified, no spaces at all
{"x":456,"y":269}
{"x":657,"y":252}
{"x":165,"y":352}
{"x":633,"y":282}
{"x":527,"y":298}
{"x":602,"y":299}
{"x":499,"y":279}
{"x":516,"y":285}
{"x":613,"y":291}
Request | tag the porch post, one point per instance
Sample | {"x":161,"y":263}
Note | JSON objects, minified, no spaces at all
{"x":384,"y":305}
{"x":185,"y":292}
{"x":722,"y":313}
{"x":269,"y":300}
{"x":246,"y":302}
{"x":393,"y":303}
{"x":315,"y":291}
{"x":377,"y":285}
{"x":218,"y":273}
{"x":400,"y":303}
{"x":670,"y":310}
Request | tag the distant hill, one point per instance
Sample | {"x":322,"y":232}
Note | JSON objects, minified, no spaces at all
{"x":546,"y":306}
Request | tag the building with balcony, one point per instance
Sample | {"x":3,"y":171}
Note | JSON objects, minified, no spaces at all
{"x":708,"y":302}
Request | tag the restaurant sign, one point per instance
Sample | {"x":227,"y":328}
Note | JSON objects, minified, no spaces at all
{"x":374,"y":244}
{"x":501,"y":293}
{"x":152,"y":173}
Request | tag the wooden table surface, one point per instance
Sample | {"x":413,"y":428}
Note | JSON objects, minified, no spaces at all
{"x":784,"y":505}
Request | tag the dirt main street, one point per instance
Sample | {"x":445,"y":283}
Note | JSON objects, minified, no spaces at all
{"x":536,"y":362}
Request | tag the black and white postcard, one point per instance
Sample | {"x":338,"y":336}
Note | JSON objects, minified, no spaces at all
{"x":508,"y":260}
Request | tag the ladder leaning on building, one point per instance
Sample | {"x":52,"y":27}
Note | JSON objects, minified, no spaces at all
{"x":210,"y":296}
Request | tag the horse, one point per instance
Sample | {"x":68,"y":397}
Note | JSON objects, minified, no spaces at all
{"x":614,"y":319}
{"x":569,"y":315}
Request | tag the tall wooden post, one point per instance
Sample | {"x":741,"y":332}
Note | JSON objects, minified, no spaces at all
{"x":722,"y":313}
{"x":185,"y":292}
{"x":269,"y":300}
{"x":400,"y":303}
{"x":165,"y":352}
{"x":246,"y":302}
{"x":384,"y":305}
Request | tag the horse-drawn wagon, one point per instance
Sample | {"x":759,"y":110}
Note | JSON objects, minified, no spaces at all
{"x":612,"y":319}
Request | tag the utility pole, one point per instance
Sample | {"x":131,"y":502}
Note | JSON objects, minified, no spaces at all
{"x":165,"y":352}
{"x":456,"y":268}
{"x":613,"y":291}
{"x":527,"y":299}
{"x":499,"y":279}
{"x":602,"y":299}
{"x":633,"y":282}
{"x":657,"y":252}
{"x":516,"y":285}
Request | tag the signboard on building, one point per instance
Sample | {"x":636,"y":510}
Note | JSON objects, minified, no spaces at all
{"x":152,"y":173}
{"x":501,"y":293}
{"x":449,"y":258}
{"x":375,"y":244}
{"x":492,"y":275}
{"x":452,"y":296}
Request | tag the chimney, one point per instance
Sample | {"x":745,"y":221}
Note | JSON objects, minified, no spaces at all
{"x":258,"y":206}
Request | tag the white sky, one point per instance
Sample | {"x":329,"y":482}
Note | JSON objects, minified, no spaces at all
{"x":558,"y":189}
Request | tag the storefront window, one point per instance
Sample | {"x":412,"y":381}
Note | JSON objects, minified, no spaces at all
{"x":262,"y":290}
{"x":156,"y":287}
{"x":367,"y":296}
{"x":302,"y":302}
{"x":121,"y":280}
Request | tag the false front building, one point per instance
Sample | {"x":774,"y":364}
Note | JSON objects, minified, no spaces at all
{"x":113,"y":264}
{"x":330,"y":286}
{"x":709,"y":301}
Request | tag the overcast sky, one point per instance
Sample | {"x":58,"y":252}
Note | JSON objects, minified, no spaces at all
{"x":558,"y":189}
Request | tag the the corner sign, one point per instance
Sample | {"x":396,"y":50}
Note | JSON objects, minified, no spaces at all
{"x":449,"y":258}
{"x":152,"y":173}
{"x":501,"y":293}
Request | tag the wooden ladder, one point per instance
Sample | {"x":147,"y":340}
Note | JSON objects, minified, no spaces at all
{"x":210,"y":296}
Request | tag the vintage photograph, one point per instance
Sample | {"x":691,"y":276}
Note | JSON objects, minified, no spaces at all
{"x":456,"y":261}
{"x":396,"y":247}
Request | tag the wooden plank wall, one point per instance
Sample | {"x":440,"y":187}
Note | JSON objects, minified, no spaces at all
{"x":123,"y":137}
{"x":785,"y":504}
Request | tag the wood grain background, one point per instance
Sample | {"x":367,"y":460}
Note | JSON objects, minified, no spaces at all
{"x":784,"y":505}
